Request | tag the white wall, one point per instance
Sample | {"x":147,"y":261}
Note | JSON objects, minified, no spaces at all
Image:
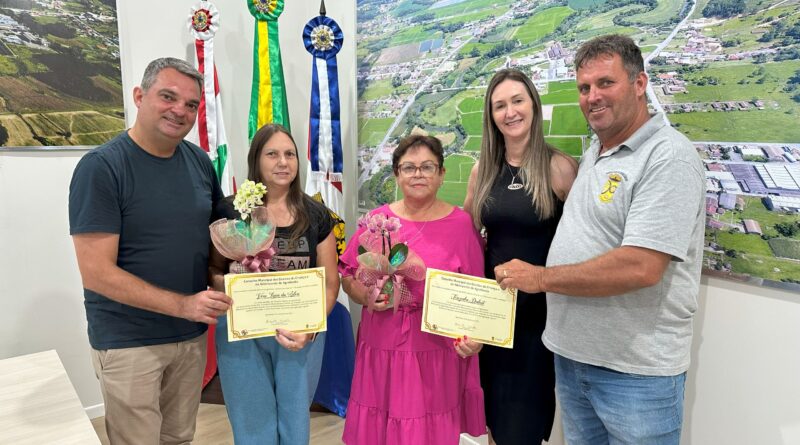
{"x":743,"y":387}
{"x":744,"y":382}
{"x":40,"y":289}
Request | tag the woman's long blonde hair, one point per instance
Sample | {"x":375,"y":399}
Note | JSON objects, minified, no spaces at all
{"x":534,"y":172}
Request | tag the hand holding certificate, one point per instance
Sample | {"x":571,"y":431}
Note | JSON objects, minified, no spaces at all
{"x":263,"y":302}
{"x":458,"y":304}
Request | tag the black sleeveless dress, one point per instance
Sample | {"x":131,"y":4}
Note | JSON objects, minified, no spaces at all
{"x":518,"y":383}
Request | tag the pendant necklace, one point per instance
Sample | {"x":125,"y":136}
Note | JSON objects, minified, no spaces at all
{"x":419,"y":231}
{"x":514,"y":184}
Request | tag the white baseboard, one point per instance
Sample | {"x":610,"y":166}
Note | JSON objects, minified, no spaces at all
{"x":466,"y":439}
{"x":95,"y":411}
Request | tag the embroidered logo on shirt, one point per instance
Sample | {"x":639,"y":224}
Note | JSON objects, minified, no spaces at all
{"x":610,"y":187}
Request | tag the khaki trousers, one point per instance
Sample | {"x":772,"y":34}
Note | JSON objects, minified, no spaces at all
{"x":151,"y":393}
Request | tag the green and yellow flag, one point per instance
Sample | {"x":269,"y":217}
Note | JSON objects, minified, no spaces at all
{"x":268,"y":97}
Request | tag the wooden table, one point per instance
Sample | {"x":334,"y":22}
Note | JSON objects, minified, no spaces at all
{"x":38,"y":404}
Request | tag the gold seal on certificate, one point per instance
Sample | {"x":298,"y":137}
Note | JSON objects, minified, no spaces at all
{"x":458,"y":305}
{"x":263,"y":302}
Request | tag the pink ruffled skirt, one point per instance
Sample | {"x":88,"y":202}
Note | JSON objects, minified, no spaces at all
{"x":410,"y":387}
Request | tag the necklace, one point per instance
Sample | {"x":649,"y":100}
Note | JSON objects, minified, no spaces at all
{"x":514,"y":184}
{"x":416,"y":235}
{"x":419,"y":231}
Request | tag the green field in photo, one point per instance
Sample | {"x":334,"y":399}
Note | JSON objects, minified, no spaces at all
{"x":473,"y":143}
{"x":785,"y":248}
{"x":560,"y":93}
{"x":585,"y":4}
{"x":444,"y":112}
{"x":7,"y":65}
{"x":665,"y":10}
{"x":603,"y":20}
{"x":527,"y":51}
{"x":568,"y":120}
{"x":377,"y":89}
{"x":734,"y":126}
{"x":561,"y":86}
{"x":471,"y":104}
{"x":43,"y":126}
{"x":473,"y":16}
{"x":759,"y":81}
{"x":466,"y":7}
{"x":86,"y":122}
{"x":648,"y":49}
{"x":765,"y":266}
{"x":755,"y":209}
{"x":744,"y":242}
{"x":742,"y":28}
{"x":466,"y":50}
{"x":372,"y":131}
{"x":94,"y":138}
{"x":413,"y":34}
{"x":454,"y":189}
{"x":572,"y":146}
{"x":457,"y":168}
{"x":542,"y":24}
{"x":603,"y":23}
{"x":546,"y":127}
{"x":454,"y":193}
{"x":472,"y":123}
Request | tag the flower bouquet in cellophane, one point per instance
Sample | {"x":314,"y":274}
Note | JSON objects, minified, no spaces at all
{"x":384,"y":267}
{"x":246,"y":241}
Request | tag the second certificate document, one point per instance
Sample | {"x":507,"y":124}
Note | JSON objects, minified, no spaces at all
{"x":458,"y":304}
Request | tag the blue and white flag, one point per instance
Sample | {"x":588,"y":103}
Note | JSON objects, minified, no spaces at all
{"x":323,"y":39}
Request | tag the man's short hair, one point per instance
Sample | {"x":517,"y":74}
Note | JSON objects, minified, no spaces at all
{"x":609,"y":45}
{"x":181,"y":66}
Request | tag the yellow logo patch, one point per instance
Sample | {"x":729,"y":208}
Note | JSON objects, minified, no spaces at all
{"x":610,"y":187}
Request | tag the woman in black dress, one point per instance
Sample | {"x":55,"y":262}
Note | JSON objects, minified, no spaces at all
{"x":515,"y":193}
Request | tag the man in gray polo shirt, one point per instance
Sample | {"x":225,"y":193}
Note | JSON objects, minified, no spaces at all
{"x":623,"y":271}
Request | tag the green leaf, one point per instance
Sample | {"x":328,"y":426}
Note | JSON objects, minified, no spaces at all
{"x":398,"y":254}
{"x":362,"y":250}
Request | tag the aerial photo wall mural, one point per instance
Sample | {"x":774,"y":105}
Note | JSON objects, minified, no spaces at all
{"x":60,"y":81}
{"x":725,"y":72}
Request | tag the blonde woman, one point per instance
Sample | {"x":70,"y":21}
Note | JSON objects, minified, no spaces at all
{"x":516,"y":192}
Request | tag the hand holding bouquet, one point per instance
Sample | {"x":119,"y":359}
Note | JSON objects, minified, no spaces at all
{"x":383,"y":267}
{"x":246,"y":241}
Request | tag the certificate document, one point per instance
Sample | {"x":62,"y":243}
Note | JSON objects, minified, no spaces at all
{"x":458,"y":305}
{"x":262,"y":302}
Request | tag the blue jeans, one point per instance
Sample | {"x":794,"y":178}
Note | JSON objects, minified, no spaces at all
{"x":603,"y":406}
{"x":267,"y":388}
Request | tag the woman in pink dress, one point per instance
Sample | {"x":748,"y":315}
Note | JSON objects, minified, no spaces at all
{"x":411,"y":387}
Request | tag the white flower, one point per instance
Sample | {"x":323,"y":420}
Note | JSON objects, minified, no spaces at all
{"x":248,"y":197}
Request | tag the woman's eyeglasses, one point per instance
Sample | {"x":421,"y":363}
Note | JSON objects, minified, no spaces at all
{"x":426,"y":169}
